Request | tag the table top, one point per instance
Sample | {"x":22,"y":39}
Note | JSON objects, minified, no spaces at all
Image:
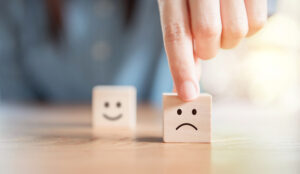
{"x":59,"y":139}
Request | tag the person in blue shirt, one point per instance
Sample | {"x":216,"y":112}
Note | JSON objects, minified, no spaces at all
{"x":56,"y":51}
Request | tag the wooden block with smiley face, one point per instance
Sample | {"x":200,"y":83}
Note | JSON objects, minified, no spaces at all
{"x":186,"y":121}
{"x":114,"y":107}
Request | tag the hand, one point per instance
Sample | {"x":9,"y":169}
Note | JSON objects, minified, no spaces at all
{"x":196,"y":29}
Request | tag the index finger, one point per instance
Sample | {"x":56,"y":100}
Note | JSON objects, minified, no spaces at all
{"x":179,"y":47}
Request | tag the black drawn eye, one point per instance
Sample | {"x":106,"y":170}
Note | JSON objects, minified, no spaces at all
{"x":194,"y":111}
{"x":179,"y":111}
{"x":119,"y":104}
{"x":106,"y":104}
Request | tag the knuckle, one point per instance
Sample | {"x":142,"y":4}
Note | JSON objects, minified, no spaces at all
{"x":208,"y":31}
{"x":236,"y":32}
{"x":257,"y":25}
{"x":207,"y":55}
{"x":174,"y":32}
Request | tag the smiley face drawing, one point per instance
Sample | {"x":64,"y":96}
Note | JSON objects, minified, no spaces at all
{"x":186,"y":121}
{"x":107,"y":105}
{"x":114,"y":106}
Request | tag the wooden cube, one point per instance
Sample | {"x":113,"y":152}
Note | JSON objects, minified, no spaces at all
{"x":114,"y":107}
{"x":186,"y":121}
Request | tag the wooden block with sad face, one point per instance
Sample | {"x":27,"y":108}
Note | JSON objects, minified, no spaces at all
{"x":114,"y":107}
{"x":186,"y":121}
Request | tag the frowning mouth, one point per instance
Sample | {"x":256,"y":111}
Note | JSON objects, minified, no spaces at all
{"x":112,"y":118}
{"x":186,"y":124}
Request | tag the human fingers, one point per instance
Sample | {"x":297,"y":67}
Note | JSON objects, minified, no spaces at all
{"x":206,"y":27}
{"x":179,"y":47}
{"x":257,"y":14}
{"x":234,"y":22}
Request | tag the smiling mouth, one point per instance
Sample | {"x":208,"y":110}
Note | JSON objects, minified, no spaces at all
{"x":112,"y":118}
{"x":186,"y":124}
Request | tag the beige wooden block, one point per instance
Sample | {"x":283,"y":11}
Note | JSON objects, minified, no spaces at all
{"x":186,"y":121}
{"x":114,"y":107}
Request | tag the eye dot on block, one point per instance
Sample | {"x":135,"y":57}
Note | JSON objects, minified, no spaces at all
{"x":119,"y":104}
{"x":194,"y":111}
{"x":179,"y":111}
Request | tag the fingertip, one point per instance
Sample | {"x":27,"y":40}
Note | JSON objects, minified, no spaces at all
{"x":188,"y":91}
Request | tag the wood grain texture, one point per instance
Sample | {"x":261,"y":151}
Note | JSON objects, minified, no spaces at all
{"x":59,"y":139}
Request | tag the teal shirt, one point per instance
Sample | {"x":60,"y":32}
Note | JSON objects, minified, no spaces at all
{"x":96,"y":45}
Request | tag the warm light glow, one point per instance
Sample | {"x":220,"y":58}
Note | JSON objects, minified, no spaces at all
{"x":271,"y":65}
{"x":264,"y":69}
{"x":271,"y":74}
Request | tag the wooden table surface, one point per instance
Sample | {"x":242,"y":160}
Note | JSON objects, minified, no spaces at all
{"x":59,"y":139}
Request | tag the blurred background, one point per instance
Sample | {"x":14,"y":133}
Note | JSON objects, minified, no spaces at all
{"x":264,"y":69}
{"x":56,"y":51}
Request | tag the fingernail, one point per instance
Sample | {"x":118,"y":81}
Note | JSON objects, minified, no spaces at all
{"x":188,"y":91}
